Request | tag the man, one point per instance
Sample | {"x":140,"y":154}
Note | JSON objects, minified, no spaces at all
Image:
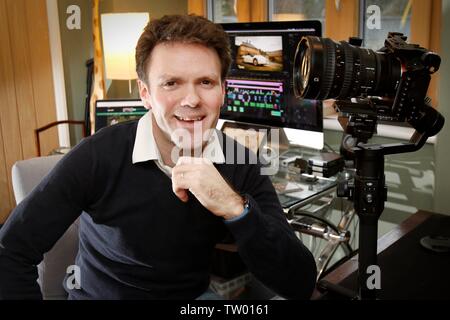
{"x":158,"y":194}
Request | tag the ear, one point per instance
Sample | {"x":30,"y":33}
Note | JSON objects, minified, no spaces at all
{"x":144,"y":93}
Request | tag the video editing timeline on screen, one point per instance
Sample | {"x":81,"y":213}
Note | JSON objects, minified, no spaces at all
{"x":255,"y":97}
{"x":259,"y":88}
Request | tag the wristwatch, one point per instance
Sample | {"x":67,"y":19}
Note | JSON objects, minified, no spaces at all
{"x":246,"y":203}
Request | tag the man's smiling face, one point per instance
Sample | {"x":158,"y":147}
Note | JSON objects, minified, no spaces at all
{"x":184,"y":91}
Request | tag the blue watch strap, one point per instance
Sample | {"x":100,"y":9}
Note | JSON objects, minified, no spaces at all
{"x":243,"y":214}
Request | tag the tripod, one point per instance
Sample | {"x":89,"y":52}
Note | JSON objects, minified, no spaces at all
{"x":368,"y":192}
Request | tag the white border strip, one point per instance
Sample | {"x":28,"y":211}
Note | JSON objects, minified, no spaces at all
{"x":383,"y":130}
{"x":304,"y":138}
{"x":119,"y":103}
{"x":58,"y":71}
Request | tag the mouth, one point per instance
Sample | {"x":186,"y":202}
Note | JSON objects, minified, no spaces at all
{"x":190,"y":119}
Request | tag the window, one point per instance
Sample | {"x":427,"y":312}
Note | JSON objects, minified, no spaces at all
{"x":285,"y":10}
{"x":224,"y":11}
{"x":382,"y":16}
{"x":371,"y":20}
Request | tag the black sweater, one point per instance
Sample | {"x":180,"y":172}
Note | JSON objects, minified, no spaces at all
{"x":137,"y":239}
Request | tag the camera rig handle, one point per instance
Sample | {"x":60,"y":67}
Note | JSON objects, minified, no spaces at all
{"x":359,"y":121}
{"x":362,"y":126}
{"x":368,"y":190}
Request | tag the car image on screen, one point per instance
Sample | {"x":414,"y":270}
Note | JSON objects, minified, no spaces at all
{"x":255,"y":59}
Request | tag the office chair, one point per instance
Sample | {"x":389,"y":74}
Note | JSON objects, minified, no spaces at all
{"x":26,"y":175}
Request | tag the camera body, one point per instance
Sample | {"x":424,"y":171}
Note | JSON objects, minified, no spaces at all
{"x":417,"y":66}
{"x":390,"y":84}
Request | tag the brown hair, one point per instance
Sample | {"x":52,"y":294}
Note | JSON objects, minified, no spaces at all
{"x":191,"y":29}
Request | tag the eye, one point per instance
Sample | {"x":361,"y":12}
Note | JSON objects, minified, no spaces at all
{"x":169,"y":83}
{"x":207,"y":82}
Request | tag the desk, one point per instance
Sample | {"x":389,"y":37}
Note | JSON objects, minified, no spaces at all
{"x":295,"y":190}
{"x":408,"y":271}
{"x":308,"y":203}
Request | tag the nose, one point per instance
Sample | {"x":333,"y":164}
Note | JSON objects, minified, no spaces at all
{"x":191,"y":97}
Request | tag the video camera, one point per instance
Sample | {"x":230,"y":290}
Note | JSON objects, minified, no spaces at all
{"x":390,"y":85}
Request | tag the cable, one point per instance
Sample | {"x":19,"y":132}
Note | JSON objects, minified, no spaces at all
{"x":329,"y":224}
{"x":335,"y":229}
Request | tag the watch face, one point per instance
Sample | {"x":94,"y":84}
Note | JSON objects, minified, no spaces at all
{"x":246,"y":202}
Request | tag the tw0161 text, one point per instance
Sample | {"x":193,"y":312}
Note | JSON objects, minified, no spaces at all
{"x":225,"y":309}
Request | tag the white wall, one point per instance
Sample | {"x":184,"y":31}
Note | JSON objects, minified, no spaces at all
{"x":442,"y":149}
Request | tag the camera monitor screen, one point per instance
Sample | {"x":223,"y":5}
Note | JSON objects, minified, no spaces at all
{"x":259,"y":87}
{"x":110,"y":112}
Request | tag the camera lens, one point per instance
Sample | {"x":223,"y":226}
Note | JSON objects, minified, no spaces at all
{"x":326,"y":69}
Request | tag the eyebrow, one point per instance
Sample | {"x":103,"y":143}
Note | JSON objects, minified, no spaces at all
{"x":173,"y":77}
{"x":166,"y":76}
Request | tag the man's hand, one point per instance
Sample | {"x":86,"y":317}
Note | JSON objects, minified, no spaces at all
{"x":201,"y":178}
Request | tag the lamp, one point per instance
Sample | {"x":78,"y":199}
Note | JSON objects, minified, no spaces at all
{"x":120,"y":32}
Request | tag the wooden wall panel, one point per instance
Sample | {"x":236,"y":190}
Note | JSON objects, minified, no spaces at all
{"x":5,"y":203}
{"x":41,"y":73}
{"x":341,"y":23}
{"x":258,"y":11}
{"x":421,"y":22}
{"x":26,"y":88}
{"x":251,"y":10}
{"x":11,"y":144}
{"x":23,"y":79}
{"x":243,"y":8}
{"x":197,"y":7}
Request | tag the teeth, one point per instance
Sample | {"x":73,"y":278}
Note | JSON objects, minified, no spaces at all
{"x":189,"y":119}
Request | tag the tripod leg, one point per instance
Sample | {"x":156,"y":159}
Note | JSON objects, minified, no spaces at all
{"x":367,"y":255}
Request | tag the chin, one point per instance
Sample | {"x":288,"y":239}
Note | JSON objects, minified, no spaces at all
{"x":188,"y":138}
{"x":189,"y":145}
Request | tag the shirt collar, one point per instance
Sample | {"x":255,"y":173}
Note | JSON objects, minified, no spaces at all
{"x":145,"y":147}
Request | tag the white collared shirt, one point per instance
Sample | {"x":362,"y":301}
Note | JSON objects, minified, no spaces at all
{"x":145,"y":147}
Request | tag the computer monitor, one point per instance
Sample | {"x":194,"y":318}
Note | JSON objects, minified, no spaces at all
{"x":110,"y":112}
{"x":259,"y":86}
